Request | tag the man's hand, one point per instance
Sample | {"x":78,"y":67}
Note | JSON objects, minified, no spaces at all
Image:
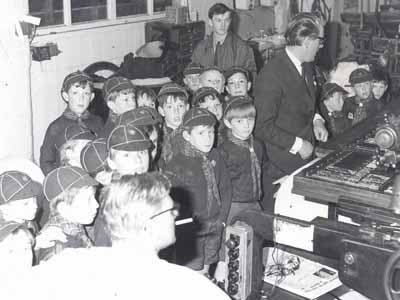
{"x":306,"y":150}
{"x":320,"y":132}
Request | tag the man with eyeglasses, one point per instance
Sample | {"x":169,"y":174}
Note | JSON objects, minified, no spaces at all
{"x":223,"y":48}
{"x":285,"y":98}
{"x":141,"y":217}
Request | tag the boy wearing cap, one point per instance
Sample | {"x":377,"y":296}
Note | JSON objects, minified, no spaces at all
{"x":362,"y":105}
{"x":213,"y":77}
{"x":71,"y":143}
{"x":202,"y":187}
{"x":332,"y":108}
{"x":128,"y":148}
{"x":172,"y":105}
{"x":146,"y":97}
{"x":191,"y":77}
{"x":148,"y":120}
{"x":119,"y":95}
{"x":237,"y":81}
{"x":70,"y":192}
{"x":208,"y":98}
{"x":77,"y":92}
{"x":94,"y":161}
{"x":18,"y":202}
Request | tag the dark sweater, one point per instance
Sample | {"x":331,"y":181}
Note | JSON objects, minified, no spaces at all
{"x":189,"y":186}
{"x":237,"y":160}
{"x":49,"y":158}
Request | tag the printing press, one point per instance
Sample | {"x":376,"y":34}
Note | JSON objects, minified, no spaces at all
{"x":359,"y":181}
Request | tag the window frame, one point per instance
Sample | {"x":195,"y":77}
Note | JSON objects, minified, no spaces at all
{"x":112,"y":19}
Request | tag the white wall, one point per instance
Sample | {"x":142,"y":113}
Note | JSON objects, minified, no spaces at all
{"x":78,"y":50}
{"x":15,"y":112}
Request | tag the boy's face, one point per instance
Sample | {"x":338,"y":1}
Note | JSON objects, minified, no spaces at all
{"x":78,"y":98}
{"x":335,"y":102}
{"x":201,"y":137}
{"x":173,"y":110}
{"x":146,"y":100}
{"x":213,"y":105}
{"x":129,"y":162}
{"x":83,"y":208}
{"x":363,"y":89}
{"x":378,"y":89}
{"x":125,"y":101}
{"x":220,"y":23}
{"x":214,"y":79}
{"x":237,"y":85}
{"x":20,"y":210}
{"x":16,"y":252}
{"x":73,"y":154}
{"x":192,"y":81}
{"x":241,"y":127}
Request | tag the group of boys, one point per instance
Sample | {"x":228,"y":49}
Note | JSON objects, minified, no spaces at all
{"x":370,"y":96}
{"x":200,"y":137}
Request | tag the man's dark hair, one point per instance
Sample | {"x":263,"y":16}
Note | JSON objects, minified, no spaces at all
{"x":218,"y":9}
{"x":301,"y":29}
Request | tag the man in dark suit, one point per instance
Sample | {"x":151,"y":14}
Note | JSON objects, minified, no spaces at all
{"x":286,"y":104}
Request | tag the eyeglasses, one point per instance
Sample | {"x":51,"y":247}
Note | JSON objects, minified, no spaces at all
{"x":174,"y":210}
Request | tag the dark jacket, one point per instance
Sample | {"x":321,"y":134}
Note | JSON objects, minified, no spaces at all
{"x":285,"y":110}
{"x":189,"y":186}
{"x":109,"y":125}
{"x":352,"y":105}
{"x":237,"y":160}
{"x":49,"y":158}
{"x":233,"y":52}
{"x":336,"y":122}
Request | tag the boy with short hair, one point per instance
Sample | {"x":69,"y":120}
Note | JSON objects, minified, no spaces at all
{"x":238,"y":82}
{"x":191,"y":77}
{"x":380,"y":85}
{"x":213,"y":77}
{"x":208,"y":98}
{"x":145,"y":96}
{"x":71,"y":143}
{"x":202,"y":187}
{"x":148,"y":120}
{"x":77,"y":92}
{"x":119,"y":95}
{"x":362,"y":105}
{"x":128,"y":148}
{"x":331,"y":108}
{"x":172,"y":105}
{"x":70,"y":191}
{"x":18,"y":193}
{"x":244,"y":155}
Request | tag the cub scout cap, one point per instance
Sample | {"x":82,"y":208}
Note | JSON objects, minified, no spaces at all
{"x":62,"y":179}
{"x":116,"y":84}
{"x":128,"y":138}
{"x":140,"y":116}
{"x":329,"y":88}
{"x":360,"y":75}
{"x":75,"y":77}
{"x":94,"y":155}
{"x":203,"y":92}
{"x":74,"y":132}
{"x":15,"y":185}
{"x":198,"y":116}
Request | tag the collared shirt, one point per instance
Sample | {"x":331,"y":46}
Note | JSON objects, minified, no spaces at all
{"x":298,"y":143}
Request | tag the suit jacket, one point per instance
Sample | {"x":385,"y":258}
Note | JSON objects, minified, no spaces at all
{"x":285,"y":110}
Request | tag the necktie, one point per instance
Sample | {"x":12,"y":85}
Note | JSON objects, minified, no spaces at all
{"x":216,"y":53}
